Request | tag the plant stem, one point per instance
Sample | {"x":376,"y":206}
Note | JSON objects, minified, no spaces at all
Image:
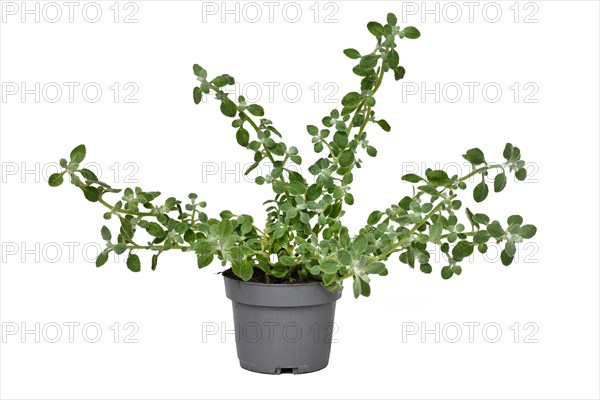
{"x":417,"y":226}
{"x":362,"y":103}
{"x":140,"y":214}
{"x":364,"y":124}
{"x":462,"y":233}
{"x":160,"y":248}
{"x":268,"y":153}
{"x":479,"y":170}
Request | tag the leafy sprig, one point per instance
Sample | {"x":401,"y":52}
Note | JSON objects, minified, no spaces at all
{"x":303,"y":237}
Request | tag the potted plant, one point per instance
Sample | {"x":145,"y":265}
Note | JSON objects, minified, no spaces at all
{"x":289,"y":271}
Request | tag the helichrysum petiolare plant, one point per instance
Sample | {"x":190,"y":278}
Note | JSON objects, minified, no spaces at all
{"x":304,"y":238}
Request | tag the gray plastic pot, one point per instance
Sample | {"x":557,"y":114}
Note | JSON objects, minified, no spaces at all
{"x":282,"y":328}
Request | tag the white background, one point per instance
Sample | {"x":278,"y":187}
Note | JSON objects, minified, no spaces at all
{"x":173,"y":144}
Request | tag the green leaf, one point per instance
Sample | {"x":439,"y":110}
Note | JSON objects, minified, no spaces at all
{"x":352,"y":53}
{"x":516,"y":154}
{"x":399,"y":73}
{"x":435,"y":230}
{"x":371,"y":151}
{"x":223,"y":80}
{"x":481,"y":219}
{"x":508,"y":150}
{"x":376,"y":28}
{"x":368,"y":62}
{"x":243,"y":270}
{"x":365,"y":288}
{"x":296,"y":188}
{"x":346,"y":158}
{"x":243,"y":137}
{"x":155,"y":230}
{"x":495,"y":230}
{"x":393,"y":58}
{"x":447,"y":272}
{"x":429,"y":189}
{"x":356,"y":286}
{"x":133,"y":263}
{"x":350,"y":100}
{"x":328,"y":279}
{"x":340,"y":139}
{"x":246,"y":228}
{"x":199,"y":71}
{"x":330,"y":266}
{"x":154,"y":261}
{"x":413,"y":178}
{"x":120,"y":248}
{"x":411,"y":32}
{"x":314,"y":192}
{"x":470,"y":216}
{"x":480,"y":192}
{"x":313,"y":130}
{"x":376,"y":267}
{"x":205,"y":259}
{"x":224,"y":228}
{"x":256,"y":110}
{"x":91,"y":193}
{"x":462,"y":249}
{"x":374,"y":217}
{"x":225,"y":214}
{"x":521,"y":174}
{"x":89,"y":175}
{"x":456,"y":269}
{"x":426,"y":268}
{"x":344,"y":257}
{"x":102,"y":258}
{"x":499,"y":182}
{"x":510,"y":248}
{"x":359,"y":245}
{"x":437,"y":177}
{"x":228,"y":108}
{"x":78,"y":154}
{"x":514,"y":220}
{"x":288,"y":261}
{"x":197,"y":95}
{"x":505,"y":258}
{"x":527,"y":231}
{"x":349,"y":199}
{"x":105,"y":232}
{"x":474,"y":156}
{"x":384,"y":125}
{"x":55,"y":180}
{"x":482,"y":237}
{"x":391,"y":19}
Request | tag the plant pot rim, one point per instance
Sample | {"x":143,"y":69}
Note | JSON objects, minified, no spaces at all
{"x":278,"y":294}
{"x":272,"y":284}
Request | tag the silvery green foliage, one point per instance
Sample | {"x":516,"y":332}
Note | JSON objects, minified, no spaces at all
{"x":304,"y":237}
